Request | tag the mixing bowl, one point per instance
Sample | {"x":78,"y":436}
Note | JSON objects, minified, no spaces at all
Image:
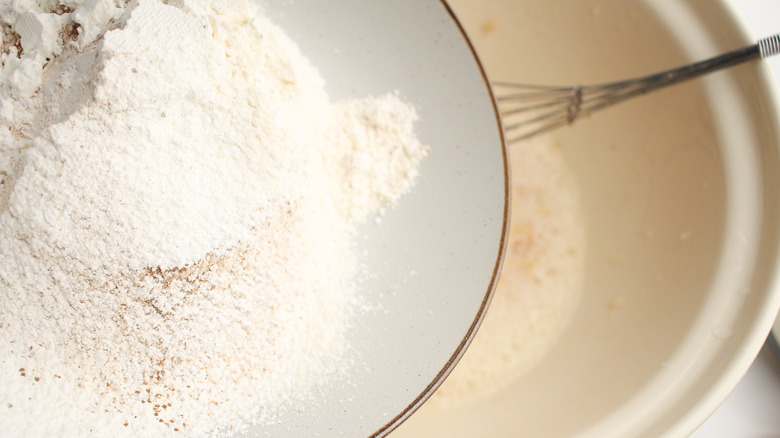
{"x":430,"y":263}
{"x":680,"y":197}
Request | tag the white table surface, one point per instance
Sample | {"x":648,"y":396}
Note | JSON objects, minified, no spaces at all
{"x":753,"y":408}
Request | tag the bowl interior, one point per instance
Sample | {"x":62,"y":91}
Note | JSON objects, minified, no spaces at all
{"x":680,"y":192}
{"x":430,"y":263}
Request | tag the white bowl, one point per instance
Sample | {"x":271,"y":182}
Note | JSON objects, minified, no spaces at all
{"x":681,"y":197}
{"x":431,"y":262}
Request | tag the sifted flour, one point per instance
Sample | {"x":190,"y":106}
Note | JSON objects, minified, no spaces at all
{"x":177,"y":201}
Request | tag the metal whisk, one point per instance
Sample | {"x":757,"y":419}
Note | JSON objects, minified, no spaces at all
{"x":530,"y":109}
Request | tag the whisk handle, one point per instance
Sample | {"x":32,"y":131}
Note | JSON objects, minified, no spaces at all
{"x":710,"y":65}
{"x":769,"y":46}
{"x":764,"y":48}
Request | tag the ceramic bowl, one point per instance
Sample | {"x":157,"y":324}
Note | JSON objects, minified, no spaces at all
{"x":430,"y":263}
{"x":680,"y":190}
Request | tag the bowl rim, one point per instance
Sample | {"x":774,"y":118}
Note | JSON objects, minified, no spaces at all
{"x":439,"y":378}
{"x":750,"y":346}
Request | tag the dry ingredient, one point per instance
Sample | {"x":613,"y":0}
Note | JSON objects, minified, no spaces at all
{"x":177,"y":201}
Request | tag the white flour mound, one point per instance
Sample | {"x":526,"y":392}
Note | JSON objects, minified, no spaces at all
{"x":177,"y":201}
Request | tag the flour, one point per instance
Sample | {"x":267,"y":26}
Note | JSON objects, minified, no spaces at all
{"x":177,"y":200}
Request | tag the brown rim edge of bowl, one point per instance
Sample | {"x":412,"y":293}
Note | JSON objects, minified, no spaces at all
{"x":469,"y":336}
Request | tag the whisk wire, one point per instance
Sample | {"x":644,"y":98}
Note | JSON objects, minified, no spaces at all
{"x":528,"y":110}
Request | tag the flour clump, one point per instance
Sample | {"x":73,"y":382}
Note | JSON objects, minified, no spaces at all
{"x":178,"y":195}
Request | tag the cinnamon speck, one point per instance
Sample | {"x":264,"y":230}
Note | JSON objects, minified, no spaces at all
{"x":490,"y":25}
